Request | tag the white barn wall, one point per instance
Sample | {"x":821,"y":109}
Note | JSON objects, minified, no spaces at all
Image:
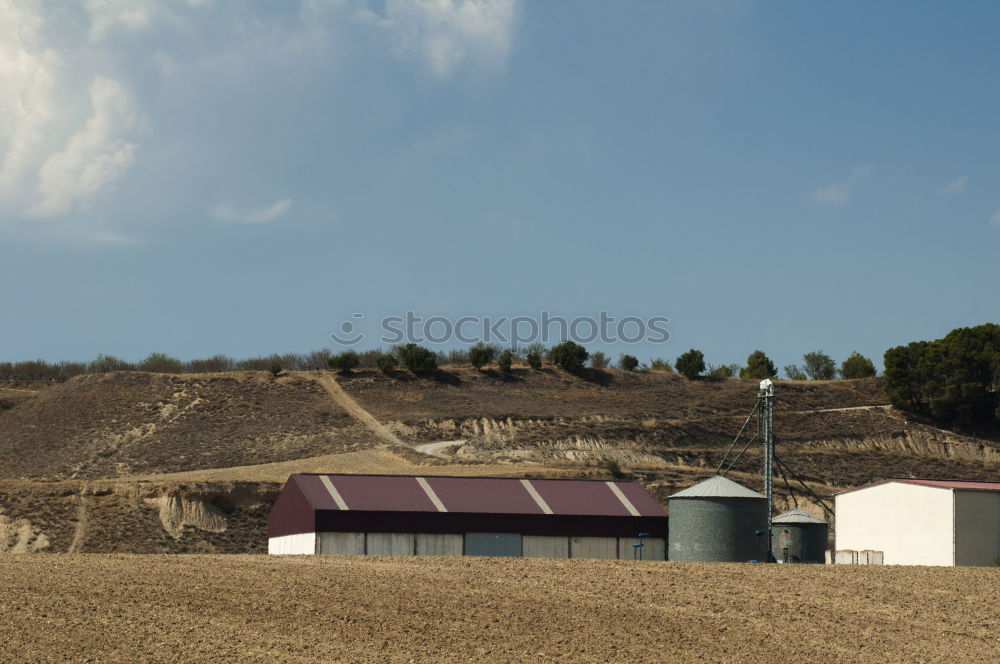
{"x":300,"y":544}
{"x":654,"y":548}
{"x":344,"y":544}
{"x":428,"y":544}
{"x":545,"y":546}
{"x":912,"y":524}
{"x":977,"y":528}
{"x":593,"y":547}
{"x":390,"y":544}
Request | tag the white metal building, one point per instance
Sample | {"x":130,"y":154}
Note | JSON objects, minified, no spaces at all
{"x":923,"y":522}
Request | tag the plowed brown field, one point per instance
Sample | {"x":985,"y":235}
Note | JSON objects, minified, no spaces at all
{"x":96,"y":608}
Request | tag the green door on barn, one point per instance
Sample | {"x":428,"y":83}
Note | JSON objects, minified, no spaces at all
{"x":493,"y":544}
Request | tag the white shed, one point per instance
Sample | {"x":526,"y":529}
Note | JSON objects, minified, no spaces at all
{"x":923,"y":522}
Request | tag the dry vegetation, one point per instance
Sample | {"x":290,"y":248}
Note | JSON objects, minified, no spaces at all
{"x":152,"y":463}
{"x":344,"y":609}
{"x":155,"y":463}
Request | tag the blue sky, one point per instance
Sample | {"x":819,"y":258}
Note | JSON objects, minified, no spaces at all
{"x":210,"y":177}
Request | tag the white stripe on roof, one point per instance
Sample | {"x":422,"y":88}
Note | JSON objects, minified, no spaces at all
{"x":325,"y":479}
{"x":537,"y":497}
{"x":430,"y":494}
{"x":622,"y":497}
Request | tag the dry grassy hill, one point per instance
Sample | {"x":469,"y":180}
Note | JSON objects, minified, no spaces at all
{"x":155,"y":462}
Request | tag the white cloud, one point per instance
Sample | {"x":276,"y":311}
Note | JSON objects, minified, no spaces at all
{"x":956,"y":186}
{"x":260,"y":215}
{"x":109,"y":15}
{"x":446,"y":33}
{"x":837,"y":193}
{"x":28,"y":104}
{"x":94,"y":157}
{"x":995,"y":219}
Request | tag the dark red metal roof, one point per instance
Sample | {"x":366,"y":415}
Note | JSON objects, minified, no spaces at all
{"x":967,"y":485}
{"x":953,"y":484}
{"x":381,"y":503}
{"x":377,"y":493}
{"x":476,"y":495}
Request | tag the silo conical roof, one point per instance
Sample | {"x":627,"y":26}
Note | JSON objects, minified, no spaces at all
{"x":717,"y":487}
{"x":797,"y":516}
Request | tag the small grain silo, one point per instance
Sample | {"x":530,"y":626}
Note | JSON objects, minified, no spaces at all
{"x":717,"y":520}
{"x":798,"y":537}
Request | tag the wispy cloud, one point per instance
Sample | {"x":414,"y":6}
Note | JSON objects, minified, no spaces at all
{"x":93,"y":158}
{"x":446,"y":33}
{"x":956,"y":187}
{"x":995,"y":219}
{"x":259,"y":215}
{"x":838,"y":193}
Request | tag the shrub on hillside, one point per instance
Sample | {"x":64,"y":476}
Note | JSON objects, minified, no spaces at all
{"x":385,"y":362}
{"x":505,"y":360}
{"x":819,"y":366}
{"x":317,"y":359}
{"x":794,"y":373}
{"x":480,"y":355}
{"x":457,"y":356}
{"x":759,"y":366}
{"x":275,"y":369}
{"x":569,"y":355}
{"x":690,"y":364}
{"x":107,"y":364}
{"x":660,"y":364}
{"x":416,"y":358}
{"x":344,"y":362}
{"x":214,"y":364}
{"x":628,"y":362}
{"x":723,"y":370}
{"x":534,"y":353}
{"x":857,"y":366}
{"x":599,"y":360}
{"x":161,"y":363}
{"x":614,"y":469}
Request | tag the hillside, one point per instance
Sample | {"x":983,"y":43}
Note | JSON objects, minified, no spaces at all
{"x":168,"y":463}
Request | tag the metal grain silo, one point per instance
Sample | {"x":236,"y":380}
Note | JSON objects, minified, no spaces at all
{"x":798,"y":537}
{"x":718,"y":520}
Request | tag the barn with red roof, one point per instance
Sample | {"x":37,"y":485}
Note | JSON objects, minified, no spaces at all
{"x":487,"y":516}
{"x":922,"y":521}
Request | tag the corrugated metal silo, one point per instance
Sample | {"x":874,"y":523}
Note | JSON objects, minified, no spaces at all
{"x":798,"y":537}
{"x":717,"y":521}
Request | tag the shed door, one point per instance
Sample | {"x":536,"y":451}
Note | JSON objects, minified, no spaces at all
{"x":493,"y":544}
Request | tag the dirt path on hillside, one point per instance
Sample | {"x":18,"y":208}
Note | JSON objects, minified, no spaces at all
{"x":842,"y":410}
{"x":354,"y":409}
{"x":82,"y":521}
{"x":437,"y":449}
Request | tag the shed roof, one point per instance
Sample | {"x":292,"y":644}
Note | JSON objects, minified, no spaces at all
{"x":965,"y":485}
{"x":797,"y":516}
{"x":400,"y":503}
{"x":717,"y":487}
{"x":478,"y":495}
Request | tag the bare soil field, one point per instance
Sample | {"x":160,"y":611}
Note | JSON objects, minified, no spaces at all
{"x":117,"y":608}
